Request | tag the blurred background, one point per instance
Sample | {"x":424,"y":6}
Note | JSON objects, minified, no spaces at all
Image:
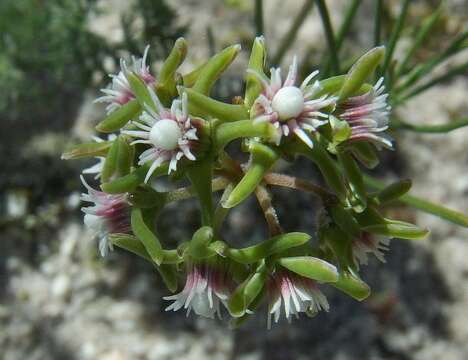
{"x":59,"y":300}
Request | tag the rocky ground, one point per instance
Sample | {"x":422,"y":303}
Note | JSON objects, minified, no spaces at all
{"x":58,"y":300}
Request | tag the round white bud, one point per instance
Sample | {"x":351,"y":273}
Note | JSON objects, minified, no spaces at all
{"x":288,"y":102}
{"x":165,"y":134}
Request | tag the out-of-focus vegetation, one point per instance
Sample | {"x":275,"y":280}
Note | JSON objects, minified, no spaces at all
{"x":49,"y":52}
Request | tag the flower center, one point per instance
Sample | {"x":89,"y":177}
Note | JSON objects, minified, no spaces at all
{"x":165,"y":134}
{"x":288,"y":102}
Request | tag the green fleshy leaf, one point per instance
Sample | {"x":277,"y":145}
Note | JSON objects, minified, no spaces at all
{"x":168,"y":274}
{"x":201,"y":105}
{"x":341,"y":130}
{"x":120,"y":117}
{"x":398,"y":229}
{"x":118,"y":161}
{"x":133,"y":245}
{"x":85,"y":150}
{"x":227,"y":132}
{"x":365,"y":153}
{"x":199,"y":245}
{"x":173,"y":61}
{"x":266,"y":248}
{"x":361,"y":71}
{"x":355,"y":180}
{"x":345,"y":220}
{"x":257,"y":60}
{"x":310,"y":267}
{"x":246,"y":293}
{"x":213,"y":69}
{"x":353,"y":286}
{"x":146,"y":236}
{"x":394,"y":191}
{"x":131,"y":181}
{"x":141,"y":91}
{"x":263,"y":158}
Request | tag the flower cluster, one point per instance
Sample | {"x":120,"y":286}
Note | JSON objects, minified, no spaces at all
{"x":172,"y":127}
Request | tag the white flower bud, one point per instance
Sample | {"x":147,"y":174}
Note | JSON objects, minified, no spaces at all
{"x":165,"y":134}
{"x":288,"y":102}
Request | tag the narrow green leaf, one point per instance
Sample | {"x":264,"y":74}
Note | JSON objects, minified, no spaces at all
{"x":345,"y":220}
{"x":227,"y":132}
{"x":146,"y":236}
{"x":263,"y":158}
{"x":214,"y":68}
{"x":365,"y":153}
{"x":246,"y":293}
{"x":257,"y":60}
{"x":168,"y":274}
{"x":353,"y":286}
{"x":355,"y":180}
{"x":268,"y":247}
{"x":141,"y":91}
{"x":453,"y":216}
{"x":201,"y":105}
{"x":398,"y":229}
{"x":310,"y":267}
{"x":130,"y":182}
{"x":85,"y":150}
{"x":173,"y":61}
{"x":361,"y":71}
{"x":120,"y":117}
{"x":199,"y":245}
{"x":394,"y":191}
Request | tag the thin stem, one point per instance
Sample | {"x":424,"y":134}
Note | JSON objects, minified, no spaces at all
{"x":455,"y":46}
{"x":343,"y":31}
{"x":433,"y":129}
{"x":377,"y":25}
{"x":424,"y":205}
{"x":288,"y":39}
{"x":264,"y":199}
{"x":188,"y":192}
{"x":258,"y":17}
{"x":421,"y":88}
{"x":211,"y":40}
{"x":297,"y":184}
{"x":328,"y":29}
{"x":395,"y":36}
{"x":422,"y":34}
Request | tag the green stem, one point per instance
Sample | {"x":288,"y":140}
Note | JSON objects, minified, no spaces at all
{"x":343,"y":31}
{"x":433,"y":129}
{"x":424,"y":205}
{"x":426,"y":27}
{"x":288,"y":39}
{"x":328,"y":29}
{"x":418,"y":72}
{"x":395,"y":36}
{"x":259,"y":17}
{"x":377,"y":26}
{"x":421,"y":88}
